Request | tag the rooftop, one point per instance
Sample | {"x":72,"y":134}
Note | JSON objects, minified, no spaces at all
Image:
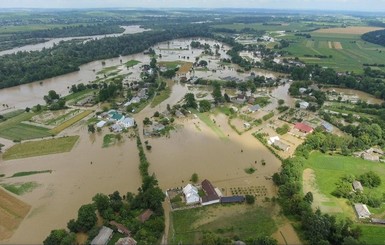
{"x":303,"y":127}
{"x":103,"y":237}
{"x":209,"y":189}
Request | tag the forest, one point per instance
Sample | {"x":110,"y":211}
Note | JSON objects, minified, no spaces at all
{"x":377,"y":37}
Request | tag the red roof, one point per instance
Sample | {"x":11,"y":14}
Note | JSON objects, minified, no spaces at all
{"x":143,"y":217}
{"x":303,"y":127}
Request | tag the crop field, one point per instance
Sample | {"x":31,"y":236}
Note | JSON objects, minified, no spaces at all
{"x":224,"y":220}
{"x":350,"y":30}
{"x":39,"y":148}
{"x":70,"y":122}
{"x":15,"y":129}
{"x":12,"y":212}
{"x":276,"y":26}
{"x":343,"y":52}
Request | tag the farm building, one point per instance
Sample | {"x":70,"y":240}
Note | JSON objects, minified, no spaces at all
{"x":271,"y":140}
{"x":362,"y":211}
{"x":232,"y":199}
{"x":304,"y":128}
{"x":191,"y":194}
{"x":103,"y":237}
{"x":281,"y":145}
{"x":378,"y":221}
{"x":211,"y":196}
{"x":101,"y":124}
{"x":143,"y":217}
{"x":121,"y":228}
{"x":127,"y":122}
{"x":328,"y":127}
{"x":254,"y":108}
{"x":126,"y":241}
{"x":357,"y":186}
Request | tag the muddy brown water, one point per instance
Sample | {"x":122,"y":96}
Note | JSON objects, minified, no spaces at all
{"x":362,"y":95}
{"x":193,"y":147}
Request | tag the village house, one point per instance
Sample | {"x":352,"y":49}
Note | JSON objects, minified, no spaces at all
{"x":126,"y":241}
{"x":240,"y":98}
{"x":357,"y":186}
{"x":120,"y":228}
{"x":303,"y":105}
{"x":327,"y":127}
{"x":304,"y":128}
{"x":302,"y":90}
{"x":101,"y":124}
{"x":211,"y":196}
{"x":232,"y":199}
{"x":127,"y":122}
{"x":103,"y":237}
{"x":281,"y":145}
{"x":362,"y":211}
{"x":254,"y":108}
{"x":143,"y":217}
{"x":191,"y":194}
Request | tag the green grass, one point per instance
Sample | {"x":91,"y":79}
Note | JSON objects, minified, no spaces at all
{"x":354,"y":53}
{"x":115,"y":237}
{"x":11,"y":114}
{"x":109,"y":140}
{"x":205,"y":117}
{"x":79,"y":95}
{"x":39,"y":148}
{"x":70,"y":122}
{"x":372,"y":234}
{"x":131,"y":63}
{"x":14,"y":129}
{"x":108,"y":69}
{"x":21,"y":174}
{"x":162,"y":96}
{"x":250,"y":170}
{"x":329,"y":169}
{"x":251,"y":222}
{"x":20,"y":188}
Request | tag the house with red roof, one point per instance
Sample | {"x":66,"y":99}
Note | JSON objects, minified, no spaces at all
{"x":304,"y":128}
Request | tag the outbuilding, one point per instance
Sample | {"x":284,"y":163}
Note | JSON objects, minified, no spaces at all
{"x":103,"y":237}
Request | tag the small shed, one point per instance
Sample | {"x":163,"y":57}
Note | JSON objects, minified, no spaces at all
{"x":103,"y":237}
{"x":357,"y":186}
{"x":362,"y":211}
{"x":143,"y":217}
{"x":121,"y":228}
{"x":126,"y":241}
{"x":281,"y":145}
{"x":254,"y":108}
{"x":101,"y":124}
{"x":233,"y":199}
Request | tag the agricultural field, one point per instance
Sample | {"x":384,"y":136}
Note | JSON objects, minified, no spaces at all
{"x":359,"y":30}
{"x":373,"y":234}
{"x":228,"y":221}
{"x":329,"y":169}
{"x":12,"y":212}
{"x":17,"y":128}
{"x":343,"y":52}
{"x":274,"y":26}
{"x":70,"y":122}
{"x":39,"y":148}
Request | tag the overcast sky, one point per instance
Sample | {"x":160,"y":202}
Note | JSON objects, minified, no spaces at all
{"x":359,"y":5}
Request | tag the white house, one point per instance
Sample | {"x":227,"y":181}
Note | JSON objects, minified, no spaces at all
{"x":303,"y":105}
{"x":272,"y":139}
{"x":127,"y":122}
{"x":101,"y":124}
{"x":191,"y":194}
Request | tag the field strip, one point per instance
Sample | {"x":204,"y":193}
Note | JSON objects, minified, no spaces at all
{"x":330,"y":44}
{"x":337,"y":45}
{"x":70,"y":122}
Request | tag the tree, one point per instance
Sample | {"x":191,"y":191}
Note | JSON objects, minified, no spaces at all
{"x":281,"y":102}
{"x":55,"y":237}
{"x":153,"y":63}
{"x":226,"y":97}
{"x":204,"y":105}
{"x":101,"y":202}
{"x":194,"y":178}
{"x":91,"y":128}
{"x":190,"y":101}
{"x":370,"y":179}
{"x":203,"y":63}
{"x":250,"y":199}
{"x":308,"y":197}
{"x":86,"y":217}
{"x":217,"y":94}
{"x":147,"y":121}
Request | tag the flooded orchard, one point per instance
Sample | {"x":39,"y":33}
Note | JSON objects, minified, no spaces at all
{"x":89,"y":169}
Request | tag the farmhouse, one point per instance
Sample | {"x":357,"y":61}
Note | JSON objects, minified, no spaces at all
{"x":191,"y":194}
{"x":281,"y":145}
{"x":103,"y":237}
{"x":121,"y":228}
{"x":211,"y":196}
{"x":254,"y":108}
{"x":362,"y":211}
{"x":241,"y":98}
{"x":303,"y":128}
{"x":271,"y":140}
{"x":357,"y":186}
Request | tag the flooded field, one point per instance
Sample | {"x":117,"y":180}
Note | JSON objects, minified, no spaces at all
{"x":88,"y":169}
{"x":355,"y":94}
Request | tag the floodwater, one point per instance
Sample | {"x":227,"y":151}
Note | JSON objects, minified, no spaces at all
{"x":361,"y":95}
{"x":88,"y":169}
{"x":51,"y":42}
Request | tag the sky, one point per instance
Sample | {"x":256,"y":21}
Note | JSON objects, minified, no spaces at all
{"x":349,"y":5}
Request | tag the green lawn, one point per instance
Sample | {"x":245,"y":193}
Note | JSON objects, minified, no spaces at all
{"x":373,"y":234}
{"x":39,"y":148}
{"x":354,"y":53}
{"x":248,"y":222}
{"x":15,"y":129}
{"x":162,"y":96}
{"x":70,"y":122}
{"x":131,"y":63}
{"x":205,"y":117}
{"x":20,"y":188}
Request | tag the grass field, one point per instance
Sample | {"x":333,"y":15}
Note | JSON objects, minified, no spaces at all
{"x":15,"y":129}
{"x":20,"y":188}
{"x":348,"y":52}
{"x":171,"y":64}
{"x":75,"y":97}
{"x":12,"y":212}
{"x":350,"y":30}
{"x":373,"y":234}
{"x":39,"y":148}
{"x":205,"y":117}
{"x":328,"y":170}
{"x":227,"y":221}
{"x":70,"y":122}
{"x":162,"y":96}
{"x":131,"y":63}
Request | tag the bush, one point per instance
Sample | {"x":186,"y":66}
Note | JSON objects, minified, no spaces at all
{"x":370,"y":179}
{"x":250,"y":199}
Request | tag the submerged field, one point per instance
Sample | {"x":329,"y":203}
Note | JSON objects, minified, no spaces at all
{"x":39,"y":148}
{"x":343,"y":52}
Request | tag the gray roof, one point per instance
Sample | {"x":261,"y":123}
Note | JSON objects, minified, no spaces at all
{"x":281,"y":145}
{"x":254,"y":107}
{"x":362,"y":210}
{"x":103,"y":237}
{"x":357,"y":185}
